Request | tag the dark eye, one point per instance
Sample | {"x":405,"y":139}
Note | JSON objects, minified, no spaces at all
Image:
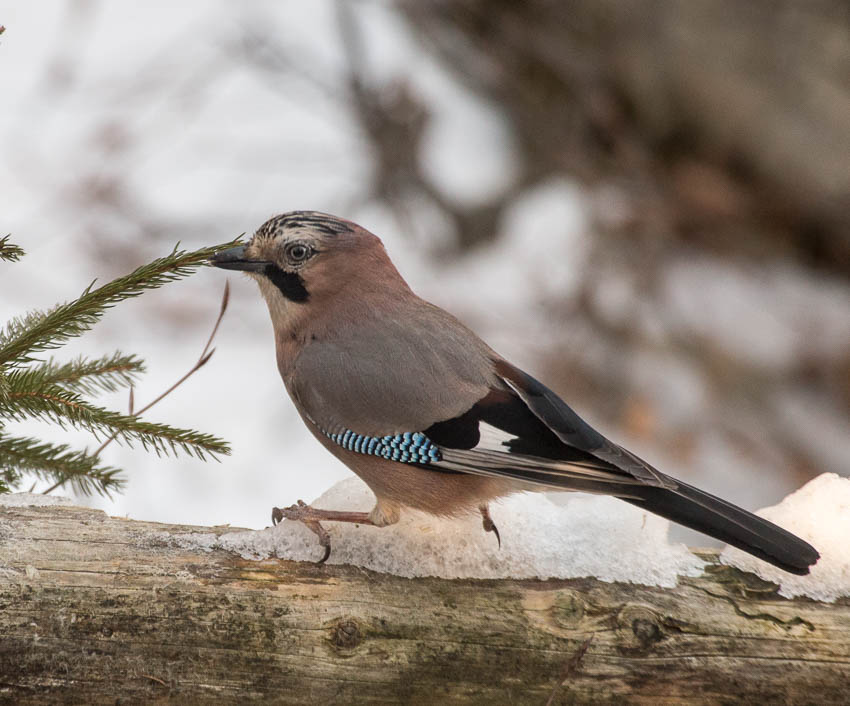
{"x":297,"y":252}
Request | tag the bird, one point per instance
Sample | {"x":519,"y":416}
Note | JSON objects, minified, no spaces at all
{"x":427,"y":414}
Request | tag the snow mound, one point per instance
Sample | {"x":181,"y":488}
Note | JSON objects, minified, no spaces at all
{"x":819,"y":512}
{"x":587,"y":536}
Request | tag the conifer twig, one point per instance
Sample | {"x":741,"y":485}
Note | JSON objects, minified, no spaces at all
{"x":64,"y":407}
{"x":44,"y":330}
{"x":9,"y":251}
{"x":45,"y":460}
{"x":206,"y":354}
{"x":203,"y":359}
{"x":33,"y":388}
{"x":106,"y":374}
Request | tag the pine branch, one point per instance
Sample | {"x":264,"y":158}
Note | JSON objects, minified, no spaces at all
{"x":64,"y":407}
{"x":203,"y":359}
{"x":18,"y":325}
{"x":10,"y":251}
{"x":53,"y":391}
{"x":49,"y":461}
{"x":42,"y":331}
{"x":107,"y":374}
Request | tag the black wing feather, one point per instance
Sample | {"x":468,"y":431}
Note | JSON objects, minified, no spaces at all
{"x":572,"y":429}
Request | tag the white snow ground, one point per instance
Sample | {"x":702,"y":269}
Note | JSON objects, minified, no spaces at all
{"x":588,"y":536}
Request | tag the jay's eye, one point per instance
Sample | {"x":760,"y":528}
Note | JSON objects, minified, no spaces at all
{"x":297,"y":252}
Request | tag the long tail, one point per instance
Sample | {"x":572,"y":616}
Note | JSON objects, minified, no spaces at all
{"x":675,"y":500}
{"x":717,"y":518}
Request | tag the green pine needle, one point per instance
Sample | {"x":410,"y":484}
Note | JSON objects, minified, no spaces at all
{"x":31,"y":388}
{"x":107,"y":374}
{"x":42,"y":331}
{"x":10,"y":251}
{"x":50,"y":402}
{"x":50,"y":461}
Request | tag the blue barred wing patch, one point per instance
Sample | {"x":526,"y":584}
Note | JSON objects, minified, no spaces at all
{"x":409,"y":447}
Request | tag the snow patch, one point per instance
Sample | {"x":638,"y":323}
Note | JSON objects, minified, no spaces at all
{"x":30,"y":499}
{"x":582,"y":536}
{"x":819,"y":512}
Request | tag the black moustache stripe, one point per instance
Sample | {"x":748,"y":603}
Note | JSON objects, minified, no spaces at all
{"x":290,"y":284}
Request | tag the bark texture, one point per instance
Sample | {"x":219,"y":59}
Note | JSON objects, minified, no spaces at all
{"x":95,"y":609}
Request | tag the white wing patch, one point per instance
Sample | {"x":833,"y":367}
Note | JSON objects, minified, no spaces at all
{"x":493,"y":457}
{"x":492,"y":438}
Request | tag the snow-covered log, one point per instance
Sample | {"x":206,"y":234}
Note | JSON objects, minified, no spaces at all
{"x":96,"y":609}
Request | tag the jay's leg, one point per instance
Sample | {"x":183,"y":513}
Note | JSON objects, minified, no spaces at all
{"x":489,"y":525}
{"x":381,"y":515}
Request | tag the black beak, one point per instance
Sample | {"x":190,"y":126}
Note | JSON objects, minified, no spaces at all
{"x":234,"y":259}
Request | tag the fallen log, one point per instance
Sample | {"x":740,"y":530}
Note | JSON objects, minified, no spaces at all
{"x":96,"y":609}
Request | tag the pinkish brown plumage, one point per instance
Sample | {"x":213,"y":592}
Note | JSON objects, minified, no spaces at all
{"x":425,"y":412}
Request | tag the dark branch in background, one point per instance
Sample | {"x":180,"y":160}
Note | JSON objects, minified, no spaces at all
{"x":572,"y":80}
{"x":394,"y":120}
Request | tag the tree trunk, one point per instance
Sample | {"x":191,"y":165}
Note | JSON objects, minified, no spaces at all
{"x":94,"y":609}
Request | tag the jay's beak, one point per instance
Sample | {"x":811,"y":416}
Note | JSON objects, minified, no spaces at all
{"x":234,"y":259}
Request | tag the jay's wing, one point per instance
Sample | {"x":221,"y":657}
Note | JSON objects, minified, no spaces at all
{"x":523,"y":419}
{"x":521,"y":430}
{"x":385,"y":378}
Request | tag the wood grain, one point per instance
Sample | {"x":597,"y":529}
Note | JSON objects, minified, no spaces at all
{"x":95,"y":609}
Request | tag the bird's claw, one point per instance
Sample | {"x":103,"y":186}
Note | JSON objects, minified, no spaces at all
{"x":302,"y":512}
{"x":489,"y":525}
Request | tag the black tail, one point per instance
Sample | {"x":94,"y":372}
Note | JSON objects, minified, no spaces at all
{"x":710,"y":515}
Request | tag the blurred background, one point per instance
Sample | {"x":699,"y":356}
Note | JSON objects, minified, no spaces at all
{"x":646,"y":205}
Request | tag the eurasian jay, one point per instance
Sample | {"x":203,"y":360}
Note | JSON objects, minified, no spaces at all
{"x":426,"y":413}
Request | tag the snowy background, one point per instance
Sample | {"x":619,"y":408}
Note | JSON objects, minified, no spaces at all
{"x":125,"y":128}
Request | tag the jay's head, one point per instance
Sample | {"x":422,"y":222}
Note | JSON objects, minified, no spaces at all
{"x":304,"y":258}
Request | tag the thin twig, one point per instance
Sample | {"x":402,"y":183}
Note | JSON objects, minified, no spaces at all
{"x":206,"y":354}
{"x":570,"y":669}
{"x":203,"y":359}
